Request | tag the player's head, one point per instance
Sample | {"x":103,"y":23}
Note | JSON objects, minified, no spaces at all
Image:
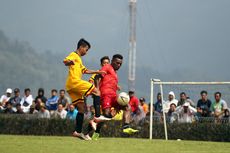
{"x":83,"y":46}
{"x":117,"y":61}
{"x":105,"y":60}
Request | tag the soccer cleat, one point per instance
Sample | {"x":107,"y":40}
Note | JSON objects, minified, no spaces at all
{"x":79,"y":135}
{"x":93,"y":125}
{"x":102,"y":118}
{"x":88,"y":137}
{"x":130,"y":131}
{"x":95,"y":136}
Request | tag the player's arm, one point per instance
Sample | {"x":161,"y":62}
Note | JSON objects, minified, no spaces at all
{"x":87,"y":71}
{"x":68,"y":62}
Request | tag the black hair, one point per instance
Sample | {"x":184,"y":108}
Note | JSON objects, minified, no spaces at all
{"x":27,"y":89}
{"x":217,"y":93}
{"x":53,"y":90}
{"x":182,"y":93}
{"x":83,"y":42}
{"x":62,"y":90}
{"x":117,"y":56}
{"x":103,"y":58}
{"x":158,"y":94}
{"x":203,"y":92}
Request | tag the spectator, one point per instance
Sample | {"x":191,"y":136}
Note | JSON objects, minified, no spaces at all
{"x":16,"y":99}
{"x":219,"y":106}
{"x":171,"y":100}
{"x":9,"y":108}
{"x":32,"y":109}
{"x":43,"y":112}
{"x":27,"y":101}
{"x":203,"y":105}
{"x":158,"y":104}
{"x":63,"y":100}
{"x":41,"y":94}
{"x":156,"y":115}
{"x":144,"y":106}
{"x":139,"y":116}
{"x":184,"y":99}
{"x":38,"y":104}
{"x":134,"y":102}
{"x":5,"y":98}
{"x":60,"y":112}
{"x":52,"y":102}
{"x":19,"y":109}
{"x":226,"y":116}
{"x":72,"y":112}
{"x":171,"y":112}
{"x":186,"y":113}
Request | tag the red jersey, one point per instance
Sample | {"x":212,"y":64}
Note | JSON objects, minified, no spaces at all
{"x":134,"y":103}
{"x":109,"y":81}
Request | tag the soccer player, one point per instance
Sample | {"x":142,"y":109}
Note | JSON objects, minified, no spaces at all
{"x":108,"y":87}
{"x":77,"y":88}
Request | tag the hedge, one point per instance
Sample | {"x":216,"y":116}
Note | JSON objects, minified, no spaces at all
{"x":30,"y":125}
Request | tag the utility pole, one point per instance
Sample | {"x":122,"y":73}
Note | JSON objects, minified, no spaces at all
{"x":132,"y":46}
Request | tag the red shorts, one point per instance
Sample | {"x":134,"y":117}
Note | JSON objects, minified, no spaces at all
{"x":109,"y":101}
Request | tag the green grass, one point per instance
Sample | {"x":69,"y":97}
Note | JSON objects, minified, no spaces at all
{"x":54,"y":144}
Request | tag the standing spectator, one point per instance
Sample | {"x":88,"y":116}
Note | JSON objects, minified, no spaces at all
{"x":60,"y":112}
{"x":63,"y":100}
{"x":27,"y":101}
{"x":52,"y":102}
{"x":203,"y":105}
{"x":139,"y":116}
{"x":144,"y":106}
{"x":171,"y":100}
{"x":183,"y":99}
{"x":16,"y":99}
{"x":186,"y":113}
{"x":134,"y":102}
{"x":72,"y":112}
{"x":158,"y":104}
{"x":41,"y":94}
{"x":43,"y":112}
{"x":219,"y":106}
{"x":5,"y":98}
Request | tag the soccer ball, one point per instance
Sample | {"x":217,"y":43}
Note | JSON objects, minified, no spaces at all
{"x":123,"y":99}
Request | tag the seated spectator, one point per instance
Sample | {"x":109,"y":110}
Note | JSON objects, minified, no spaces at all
{"x":183,"y":99}
{"x":144,"y":106}
{"x":218,"y":107}
{"x":226,"y":116}
{"x":38,"y":104}
{"x":43,"y":112}
{"x":158,"y":104}
{"x":72,"y":112}
{"x":156,"y":115}
{"x":60,"y":112}
{"x":185,"y":113}
{"x":171,"y":112}
{"x":19,"y":109}
{"x":52,"y":102}
{"x":40,"y":95}
{"x":32,"y":108}
{"x":139,"y":116}
{"x":9,"y":108}
{"x":16,"y":99}
{"x":171,"y":100}
{"x":63,"y":100}
{"x":27,"y":101}
{"x":134,"y":102}
{"x":89,"y":114}
{"x":204,"y":105}
{"x":5,"y":98}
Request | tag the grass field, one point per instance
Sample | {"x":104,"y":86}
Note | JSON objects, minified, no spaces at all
{"x":53,"y":144}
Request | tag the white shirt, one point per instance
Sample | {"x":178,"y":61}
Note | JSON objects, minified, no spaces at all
{"x":3,"y":98}
{"x":29,"y":100}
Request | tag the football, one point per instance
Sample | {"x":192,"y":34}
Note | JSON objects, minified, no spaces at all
{"x":123,"y":99}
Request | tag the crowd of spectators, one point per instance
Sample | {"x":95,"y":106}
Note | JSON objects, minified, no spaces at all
{"x":58,"y":105}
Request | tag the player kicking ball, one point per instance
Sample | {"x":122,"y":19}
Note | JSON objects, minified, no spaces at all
{"x":108,"y":86}
{"x":77,"y":88}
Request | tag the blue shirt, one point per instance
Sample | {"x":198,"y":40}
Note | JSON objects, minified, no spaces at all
{"x":72,"y":114}
{"x":52,"y":103}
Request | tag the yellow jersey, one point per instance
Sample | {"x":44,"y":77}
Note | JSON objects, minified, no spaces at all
{"x":75,"y":71}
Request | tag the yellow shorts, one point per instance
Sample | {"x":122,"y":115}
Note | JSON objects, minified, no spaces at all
{"x":81,"y":90}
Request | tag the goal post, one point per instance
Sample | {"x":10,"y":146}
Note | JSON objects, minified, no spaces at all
{"x":155,"y":82}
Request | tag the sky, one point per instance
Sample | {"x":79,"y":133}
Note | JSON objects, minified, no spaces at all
{"x":173,"y":36}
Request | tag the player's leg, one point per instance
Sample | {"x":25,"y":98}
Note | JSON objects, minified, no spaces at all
{"x":96,"y":102}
